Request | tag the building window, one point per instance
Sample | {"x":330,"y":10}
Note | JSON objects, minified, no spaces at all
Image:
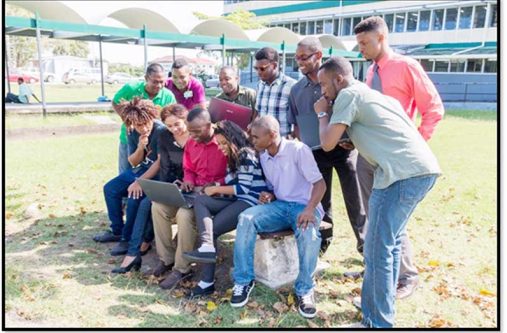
{"x":451,"y":16}
{"x":302,"y":28}
{"x":427,"y":65}
{"x":438,"y":19}
{"x":494,"y":17}
{"x":355,"y":22}
{"x":389,"y":18}
{"x":465,"y":17}
{"x":328,"y":26}
{"x":311,"y":28}
{"x":346,"y":26}
{"x":287,"y":26}
{"x":412,"y":21}
{"x":490,"y":66}
{"x":480,"y":16}
{"x":336,"y":24}
{"x":319,"y":27}
{"x":295,"y":27}
{"x":399,"y":24}
{"x":441,"y":66}
{"x":458,"y":66}
{"x":424,"y":20}
{"x":474,"y":65}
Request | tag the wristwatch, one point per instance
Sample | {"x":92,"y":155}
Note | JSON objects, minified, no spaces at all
{"x":322,"y":115}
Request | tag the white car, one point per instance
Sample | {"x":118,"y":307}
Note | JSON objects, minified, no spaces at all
{"x":212,"y":82}
{"x":119,"y":78}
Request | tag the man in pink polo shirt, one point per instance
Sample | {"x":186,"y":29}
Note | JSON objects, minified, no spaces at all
{"x":187,"y":89}
{"x":404,"y":79}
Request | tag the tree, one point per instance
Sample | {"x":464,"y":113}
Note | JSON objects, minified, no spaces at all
{"x":70,"y":47}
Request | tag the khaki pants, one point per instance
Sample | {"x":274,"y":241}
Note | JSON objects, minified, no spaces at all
{"x":168,"y":250}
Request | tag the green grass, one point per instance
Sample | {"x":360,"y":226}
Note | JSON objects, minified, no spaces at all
{"x":56,"y":276}
{"x":18,"y":121}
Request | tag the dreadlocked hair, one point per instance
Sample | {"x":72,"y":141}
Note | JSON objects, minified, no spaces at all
{"x":137,"y":112}
{"x":237,"y":140}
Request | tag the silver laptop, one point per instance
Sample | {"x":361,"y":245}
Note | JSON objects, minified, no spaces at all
{"x":166,"y":193}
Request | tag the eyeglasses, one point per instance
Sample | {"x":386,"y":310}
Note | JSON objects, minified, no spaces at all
{"x":304,"y":58}
{"x":261,"y":69}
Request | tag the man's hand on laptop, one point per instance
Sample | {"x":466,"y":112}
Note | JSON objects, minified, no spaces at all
{"x":186,"y":186}
{"x":135,"y":191}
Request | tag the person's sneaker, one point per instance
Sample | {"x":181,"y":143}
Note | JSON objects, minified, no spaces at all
{"x":240,"y":294}
{"x":356,"y":301}
{"x":406,"y":289}
{"x":173,"y":279}
{"x":106,"y":236}
{"x":202,"y":257}
{"x":306,"y":305}
{"x":159,"y":270}
{"x":198,"y":291}
{"x":120,"y":249}
{"x":353,"y":275}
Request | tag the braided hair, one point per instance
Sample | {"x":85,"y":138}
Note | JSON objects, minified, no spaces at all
{"x":237,"y":140}
{"x":137,"y":112}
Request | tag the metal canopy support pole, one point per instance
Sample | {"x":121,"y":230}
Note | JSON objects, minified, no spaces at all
{"x":7,"y":63}
{"x":232,"y":59}
{"x":251,"y":66}
{"x":283,"y":56}
{"x":222,"y":41}
{"x":101,"y":67}
{"x":330,"y":51}
{"x":145,"y":48}
{"x":174,"y":54}
{"x":41,"y":74}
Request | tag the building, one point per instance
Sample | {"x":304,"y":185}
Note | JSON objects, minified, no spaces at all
{"x":455,"y":41}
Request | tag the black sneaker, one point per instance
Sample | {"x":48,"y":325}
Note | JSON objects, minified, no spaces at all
{"x":198,"y":291}
{"x":106,"y":236}
{"x":203,"y":257}
{"x":240,"y":294}
{"x":306,"y":305}
{"x":120,"y":249}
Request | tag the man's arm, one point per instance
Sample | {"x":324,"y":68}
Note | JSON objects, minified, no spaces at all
{"x":134,"y":190}
{"x":291,"y":115}
{"x":35,"y":97}
{"x":307,"y":215}
{"x":138,"y":155}
{"x":329,"y":134}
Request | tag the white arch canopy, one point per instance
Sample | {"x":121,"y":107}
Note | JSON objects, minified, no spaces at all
{"x":135,"y":18}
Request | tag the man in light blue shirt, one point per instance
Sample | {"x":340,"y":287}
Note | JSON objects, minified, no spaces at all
{"x":24,"y":94}
{"x":405,"y":170}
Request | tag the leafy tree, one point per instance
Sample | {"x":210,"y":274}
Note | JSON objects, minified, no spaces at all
{"x":70,"y":47}
{"x":135,"y":71}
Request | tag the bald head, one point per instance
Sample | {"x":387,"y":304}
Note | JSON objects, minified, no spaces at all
{"x":267,"y":123}
{"x":229,"y":70}
{"x":311,"y":43}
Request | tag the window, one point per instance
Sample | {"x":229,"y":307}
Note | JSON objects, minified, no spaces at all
{"x":311,"y":28}
{"x":302,"y":28}
{"x":389,"y":18}
{"x":427,"y":65}
{"x":424,"y":20}
{"x":336,"y":24}
{"x":346,"y":26}
{"x":457,"y":65}
{"x":490,"y":66}
{"x":412,"y":21}
{"x":474,"y":65}
{"x":451,"y":16}
{"x":355,"y":22}
{"x":319,"y":27}
{"x":399,"y":23}
{"x":438,"y":19}
{"x":295,"y":27}
{"x":441,"y":65}
{"x":465,"y":17}
{"x":328,"y":26}
{"x":287,"y":25}
{"x":480,"y":16}
{"x":494,"y":17}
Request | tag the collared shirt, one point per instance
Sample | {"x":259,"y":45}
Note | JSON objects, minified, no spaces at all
{"x":383,"y":134}
{"x":24,"y":93}
{"x":151,"y":150}
{"x":246,"y":96}
{"x":137,"y":89}
{"x":404,"y":79}
{"x":203,"y":163}
{"x":192,"y":96}
{"x":273,"y":99}
{"x":292,"y":172}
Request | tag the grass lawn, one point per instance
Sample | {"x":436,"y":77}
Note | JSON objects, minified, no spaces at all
{"x":56,"y":276}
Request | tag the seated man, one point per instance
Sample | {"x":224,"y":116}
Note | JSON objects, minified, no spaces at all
{"x":24,"y":94}
{"x":187,"y":89}
{"x":203,"y":164}
{"x":405,"y":170}
{"x":298,"y":186}
{"x":139,"y":114}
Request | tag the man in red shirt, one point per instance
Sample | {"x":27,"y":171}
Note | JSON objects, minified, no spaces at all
{"x":404,"y":79}
{"x":203,"y":164}
{"x":187,"y":89}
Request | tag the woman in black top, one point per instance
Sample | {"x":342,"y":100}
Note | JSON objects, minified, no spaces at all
{"x":170,"y":160}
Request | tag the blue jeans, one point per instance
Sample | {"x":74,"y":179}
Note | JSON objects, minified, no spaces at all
{"x":276,"y":216}
{"x":142,"y":224}
{"x":123,"y":154}
{"x":389,"y":212}
{"x":114,"y":191}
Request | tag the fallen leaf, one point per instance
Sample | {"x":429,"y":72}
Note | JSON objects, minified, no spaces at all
{"x":178,"y":293}
{"x":436,"y":322}
{"x":486,"y":292}
{"x":311,"y":324}
{"x":218,"y":320}
{"x":280,"y":307}
{"x":52,"y":216}
{"x":253,"y":305}
{"x":356,"y":291}
{"x":290,"y":299}
{"x":8,"y":214}
{"x":111,"y":261}
{"x":322,"y":315}
{"x":67,"y":275}
{"x":82,"y":210}
{"x":243,"y":314}
{"x":211,"y":306}
{"x":91,"y":251}
{"x":434,"y":263}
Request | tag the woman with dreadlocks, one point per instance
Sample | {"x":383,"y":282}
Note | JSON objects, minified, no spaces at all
{"x":218,"y":209}
{"x":139,"y":115}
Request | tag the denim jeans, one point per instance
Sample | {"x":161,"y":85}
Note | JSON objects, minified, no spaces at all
{"x":276,"y":216}
{"x":114,"y":191}
{"x":141,"y":225}
{"x":123,"y":154}
{"x":389,"y":212}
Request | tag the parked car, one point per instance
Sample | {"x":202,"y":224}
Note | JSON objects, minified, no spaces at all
{"x":48,"y":76}
{"x":212,"y":81}
{"x":14,"y":74}
{"x":119,"y":78}
{"x":82,"y":75}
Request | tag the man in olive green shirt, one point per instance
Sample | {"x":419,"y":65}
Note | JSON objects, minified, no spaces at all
{"x":152,"y":88}
{"x":233,"y":92}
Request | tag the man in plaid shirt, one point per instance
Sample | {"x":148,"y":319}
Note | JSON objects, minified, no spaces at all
{"x":273,"y":88}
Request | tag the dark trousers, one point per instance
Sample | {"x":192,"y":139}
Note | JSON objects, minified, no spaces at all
{"x":344,"y":162}
{"x":143,"y":227}
{"x":12,"y":98}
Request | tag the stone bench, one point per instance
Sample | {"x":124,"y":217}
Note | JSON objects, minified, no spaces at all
{"x":276,"y":261}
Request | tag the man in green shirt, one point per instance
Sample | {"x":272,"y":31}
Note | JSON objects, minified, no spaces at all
{"x":233,"y":92}
{"x":152,"y":88}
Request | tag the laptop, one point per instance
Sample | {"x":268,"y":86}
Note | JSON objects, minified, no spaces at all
{"x":220,"y":109}
{"x":166,"y":193}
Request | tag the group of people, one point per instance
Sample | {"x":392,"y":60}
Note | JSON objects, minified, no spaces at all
{"x":279,"y":174}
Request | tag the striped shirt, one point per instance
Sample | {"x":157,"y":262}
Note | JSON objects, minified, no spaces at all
{"x":248,"y":181}
{"x":273,"y":99}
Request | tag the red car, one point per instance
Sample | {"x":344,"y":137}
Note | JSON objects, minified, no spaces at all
{"x":14,"y":74}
